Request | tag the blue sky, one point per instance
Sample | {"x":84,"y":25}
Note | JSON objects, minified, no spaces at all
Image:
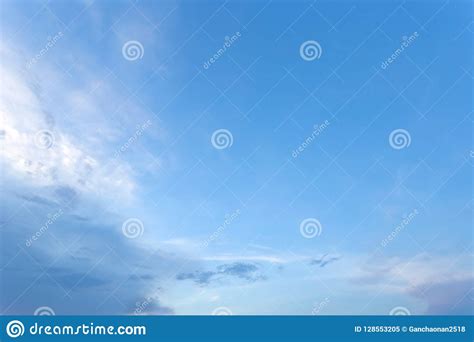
{"x":193,"y":157}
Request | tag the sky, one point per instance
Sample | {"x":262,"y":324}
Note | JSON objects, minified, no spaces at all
{"x":247,"y":158}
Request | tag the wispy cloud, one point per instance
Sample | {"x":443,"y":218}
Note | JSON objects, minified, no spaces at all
{"x":240,"y":270}
{"x":324,"y":260}
{"x":230,"y":257}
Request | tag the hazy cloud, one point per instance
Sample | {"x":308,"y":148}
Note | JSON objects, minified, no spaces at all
{"x":240,"y":270}
{"x":324,"y":260}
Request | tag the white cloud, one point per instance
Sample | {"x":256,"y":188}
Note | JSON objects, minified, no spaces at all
{"x":65,"y":160}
